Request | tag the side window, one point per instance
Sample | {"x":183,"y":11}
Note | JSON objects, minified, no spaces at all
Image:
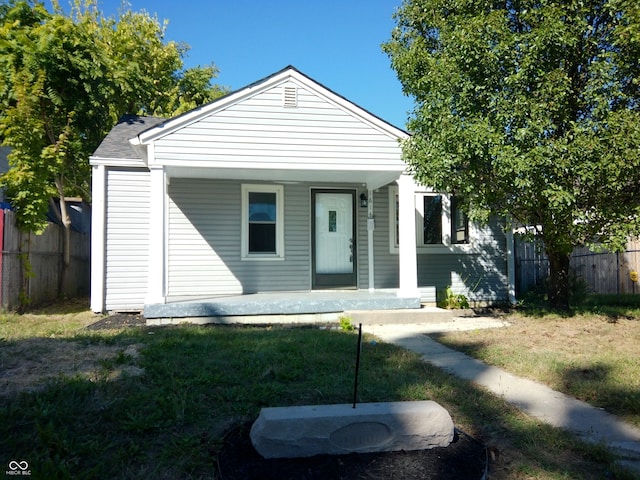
{"x":262,"y":222}
{"x":459,"y":223}
{"x":432,"y":220}
{"x":439,"y":221}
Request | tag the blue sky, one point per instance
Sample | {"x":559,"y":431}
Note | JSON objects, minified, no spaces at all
{"x":335,"y":42}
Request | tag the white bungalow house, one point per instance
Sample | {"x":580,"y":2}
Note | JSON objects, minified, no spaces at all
{"x":283,"y":187}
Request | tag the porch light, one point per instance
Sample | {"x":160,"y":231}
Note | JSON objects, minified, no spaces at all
{"x":364,"y":201}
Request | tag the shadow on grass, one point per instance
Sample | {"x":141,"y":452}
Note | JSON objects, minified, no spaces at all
{"x":60,"y":307}
{"x":614,"y":307}
{"x":591,"y":381}
{"x":198,"y":382}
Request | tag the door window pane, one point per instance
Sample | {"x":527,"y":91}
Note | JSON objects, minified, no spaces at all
{"x":333,"y":220}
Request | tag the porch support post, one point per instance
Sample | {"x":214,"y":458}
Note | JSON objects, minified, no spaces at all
{"x":156,"y":261}
{"x":98,"y":238}
{"x":371,"y":225}
{"x":408,"y":259}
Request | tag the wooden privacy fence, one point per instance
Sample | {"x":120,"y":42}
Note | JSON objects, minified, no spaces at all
{"x":31,"y":265}
{"x":605,"y":273}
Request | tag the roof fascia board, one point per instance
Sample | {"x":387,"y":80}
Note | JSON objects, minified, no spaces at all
{"x":116,"y":162}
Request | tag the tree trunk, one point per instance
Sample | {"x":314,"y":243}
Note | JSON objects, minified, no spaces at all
{"x":63,"y":216}
{"x":559,"y":280}
{"x":66,"y":246}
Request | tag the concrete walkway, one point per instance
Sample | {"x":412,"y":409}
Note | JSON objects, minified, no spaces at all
{"x":539,"y":401}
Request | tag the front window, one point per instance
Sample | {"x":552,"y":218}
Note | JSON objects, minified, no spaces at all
{"x":262,"y":222}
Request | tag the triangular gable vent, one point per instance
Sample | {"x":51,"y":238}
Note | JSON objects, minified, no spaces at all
{"x":289,"y":97}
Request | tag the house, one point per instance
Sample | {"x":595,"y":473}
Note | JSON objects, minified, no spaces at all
{"x":278,"y":188}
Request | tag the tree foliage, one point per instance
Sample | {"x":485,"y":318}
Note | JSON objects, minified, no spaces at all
{"x":528,"y":109}
{"x":65,"y":79}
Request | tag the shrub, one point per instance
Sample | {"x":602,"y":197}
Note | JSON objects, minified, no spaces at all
{"x":453,"y":300}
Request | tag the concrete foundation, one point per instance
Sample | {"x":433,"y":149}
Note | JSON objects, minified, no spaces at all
{"x":304,"y":431}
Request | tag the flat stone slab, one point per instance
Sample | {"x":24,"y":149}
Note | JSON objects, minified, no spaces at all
{"x":304,"y":431}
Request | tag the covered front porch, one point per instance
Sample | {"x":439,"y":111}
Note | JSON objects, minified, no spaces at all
{"x":229,"y":309}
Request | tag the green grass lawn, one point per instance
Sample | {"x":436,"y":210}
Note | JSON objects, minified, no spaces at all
{"x":155,"y":403}
{"x":591,"y":354}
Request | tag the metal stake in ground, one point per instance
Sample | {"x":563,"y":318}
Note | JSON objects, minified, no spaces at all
{"x":355,"y":383}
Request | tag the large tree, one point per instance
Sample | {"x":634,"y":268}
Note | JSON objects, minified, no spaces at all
{"x":529,"y":109}
{"x":65,"y":79}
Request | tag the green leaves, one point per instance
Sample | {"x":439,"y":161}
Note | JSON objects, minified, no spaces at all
{"x":529,"y":107}
{"x":64,"y":82}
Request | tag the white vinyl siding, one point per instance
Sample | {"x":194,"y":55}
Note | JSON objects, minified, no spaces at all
{"x":127,"y":239}
{"x":316,"y":133}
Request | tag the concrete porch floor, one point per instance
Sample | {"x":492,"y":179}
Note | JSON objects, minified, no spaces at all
{"x":322,"y":305}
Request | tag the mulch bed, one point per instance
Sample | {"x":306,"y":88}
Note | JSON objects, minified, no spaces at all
{"x":118,"y":320}
{"x":464,"y":459}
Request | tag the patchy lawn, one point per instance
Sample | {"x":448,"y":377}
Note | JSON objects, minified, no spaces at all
{"x":137,"y":402}
{"x":593,"y":357}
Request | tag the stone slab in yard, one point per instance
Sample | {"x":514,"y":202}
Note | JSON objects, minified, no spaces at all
{"x":304,"y":431}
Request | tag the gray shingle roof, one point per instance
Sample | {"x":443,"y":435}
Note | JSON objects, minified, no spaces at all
{"x":116,"y":143}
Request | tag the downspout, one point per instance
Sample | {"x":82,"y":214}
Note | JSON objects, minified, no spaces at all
{"x":371,"y":224}
{"x":511,"y":270}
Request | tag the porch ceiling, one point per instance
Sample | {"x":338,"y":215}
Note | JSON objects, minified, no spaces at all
{"x":371,"y":178}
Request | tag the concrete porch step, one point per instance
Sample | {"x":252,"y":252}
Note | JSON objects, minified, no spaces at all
{"x":387,"y":317}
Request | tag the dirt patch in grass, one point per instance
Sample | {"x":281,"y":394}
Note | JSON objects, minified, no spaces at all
{"x":29,"y":365}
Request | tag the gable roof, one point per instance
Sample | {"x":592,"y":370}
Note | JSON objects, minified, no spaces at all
{"x":289,"y":73}
{"x":258,"y":133}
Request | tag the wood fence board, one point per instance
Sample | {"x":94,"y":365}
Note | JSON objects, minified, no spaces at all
{"x":602,"y":272}
{"x":44,"y":254}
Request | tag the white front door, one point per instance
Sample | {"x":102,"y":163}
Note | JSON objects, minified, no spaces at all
{"x":333,"y":239}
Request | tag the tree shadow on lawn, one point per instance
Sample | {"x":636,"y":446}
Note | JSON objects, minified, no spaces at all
{"x":198,"y":383}
{"x":587,"y":380}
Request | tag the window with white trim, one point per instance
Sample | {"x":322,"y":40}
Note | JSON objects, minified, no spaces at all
{"x":262,"y":222}
{"x":459,"y":223}
{"x":439,"y":221}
